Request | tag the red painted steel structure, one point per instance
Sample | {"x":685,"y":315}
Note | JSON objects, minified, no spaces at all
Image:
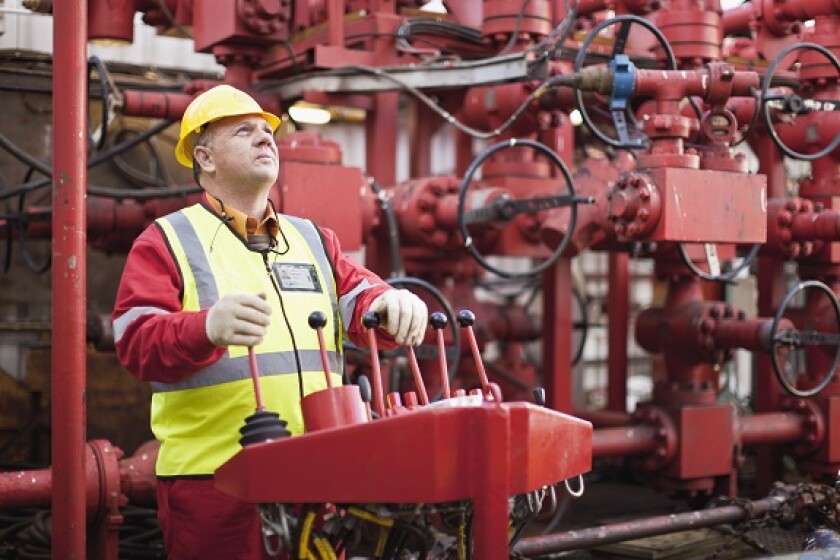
{"x":69,"y":275}
{"x":633,"y":203}
{"x":480,"y":453}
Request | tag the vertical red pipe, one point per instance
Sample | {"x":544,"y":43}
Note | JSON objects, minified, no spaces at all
{"x":771,"y":290}
{"x":69,"y":278}
{"x":619,"y":305}
{"x":557,"y":340}
{"x":335,"y":23}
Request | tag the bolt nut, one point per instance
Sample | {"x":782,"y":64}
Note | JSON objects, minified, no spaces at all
{"x":785,"y":218}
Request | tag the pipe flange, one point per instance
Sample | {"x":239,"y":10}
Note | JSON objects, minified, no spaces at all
{"x":111,"y":498}
{"x":785,"y":216}
{"x":634,"y":206}
{"x":666,"y":437}
{"x":813,"y":420}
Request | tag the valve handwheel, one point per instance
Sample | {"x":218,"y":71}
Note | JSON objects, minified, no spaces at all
{"x":412,"y":282}
{"x":715,"y":273}
{"x":796,"y":338}
{"x":795,"y":104}
{"x":620,"y":111}
{"x":505,"y":209}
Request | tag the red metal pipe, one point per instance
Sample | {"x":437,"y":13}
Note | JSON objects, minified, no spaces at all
{"x":738,"y":19}
{"x":103,"y":469}
{"x":771,"y":427}
{"x":557,"y":346}
{"x":630,"y":440}
{"x":660,"y":525}
{"x":604,"y":418}
{"x":69,"y":278}
{"x":619,"y":305}
{"x":155,"y":104}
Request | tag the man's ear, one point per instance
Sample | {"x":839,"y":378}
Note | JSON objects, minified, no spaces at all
{"x":204,"y":157}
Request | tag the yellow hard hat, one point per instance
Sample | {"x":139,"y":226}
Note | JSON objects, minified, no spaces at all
{"x":214,"y":104}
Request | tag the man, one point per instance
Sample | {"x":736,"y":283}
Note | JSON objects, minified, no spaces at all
{"x":202,"y":285}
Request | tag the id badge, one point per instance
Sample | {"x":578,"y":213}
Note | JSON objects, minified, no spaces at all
{"x":294,"y":277}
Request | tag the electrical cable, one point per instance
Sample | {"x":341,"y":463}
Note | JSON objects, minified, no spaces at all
{"x":24,"y":157}
{"x":393,"y":226}
{"x":570,"y":80}
{"x":288,"y":324}
{"x":24,"y":249}
{"x":97,"y":159}
{"x":562,"y":31}
{"x":432,"y":26}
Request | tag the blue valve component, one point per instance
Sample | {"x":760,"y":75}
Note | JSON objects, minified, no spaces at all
{"x":624,"y":82}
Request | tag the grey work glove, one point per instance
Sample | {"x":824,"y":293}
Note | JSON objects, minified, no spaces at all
{"x":238,"y":320}
{"x":404,"y":316}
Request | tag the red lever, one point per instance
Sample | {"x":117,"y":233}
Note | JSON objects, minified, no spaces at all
{"x":438,"y":321}
{"x":255,"y":377}
{"x":466,"y":319}
{"x":418,"y":379}
{"x":370,"y":321}
{"x":318,"y":320}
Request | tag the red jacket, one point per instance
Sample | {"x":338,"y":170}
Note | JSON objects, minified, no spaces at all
{"x":170,"y":347}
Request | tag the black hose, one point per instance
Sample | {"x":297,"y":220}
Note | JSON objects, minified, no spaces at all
{"x":97,"y":141}
{"x":393,"y":227}
{"x":99,"y":158}
{"x":24,"y":157}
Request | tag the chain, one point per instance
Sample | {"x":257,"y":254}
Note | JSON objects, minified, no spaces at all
{"x":814,"y":504}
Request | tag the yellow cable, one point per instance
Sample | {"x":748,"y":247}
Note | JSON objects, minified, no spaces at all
{"x":372,"y":517}
{"x":462,"y":550}
{"x":305,"y":532}
{"x":325,"y":548}
{"x":383,"y":538}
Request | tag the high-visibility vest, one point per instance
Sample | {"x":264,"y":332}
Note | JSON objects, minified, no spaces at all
{"x":197,"y":420}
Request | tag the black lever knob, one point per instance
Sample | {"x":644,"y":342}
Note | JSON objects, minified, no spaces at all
{"x":466,"y":318}
{"x":370,"y":320}
{"x":438,"y":320}
{"x":539,"y":396}
{"x":317,"y":320}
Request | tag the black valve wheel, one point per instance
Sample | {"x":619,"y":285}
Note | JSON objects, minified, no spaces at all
{"x":621,"y":118}
{"x":796,"y":338}
{"x":716,"y":272}
{"x":425,"y":351}
{"x":108,"y":100}
{"x":795,"y":104}
{"x":505,"y":209}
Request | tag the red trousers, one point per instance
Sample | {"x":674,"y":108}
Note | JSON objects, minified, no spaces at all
{"x":202,"y":523}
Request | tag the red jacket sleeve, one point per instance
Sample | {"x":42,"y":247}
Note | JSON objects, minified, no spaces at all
{"x":350,"y":275}
{"x":155,"y":340}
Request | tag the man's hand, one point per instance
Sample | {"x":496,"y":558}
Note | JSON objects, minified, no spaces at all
{"x":238,"y":320}
{"x":404,"y":316}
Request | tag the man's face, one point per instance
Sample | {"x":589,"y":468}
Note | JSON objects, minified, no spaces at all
{"x":243,"y":152}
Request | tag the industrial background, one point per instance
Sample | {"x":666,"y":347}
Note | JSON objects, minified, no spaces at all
{"x":637,"y":200}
